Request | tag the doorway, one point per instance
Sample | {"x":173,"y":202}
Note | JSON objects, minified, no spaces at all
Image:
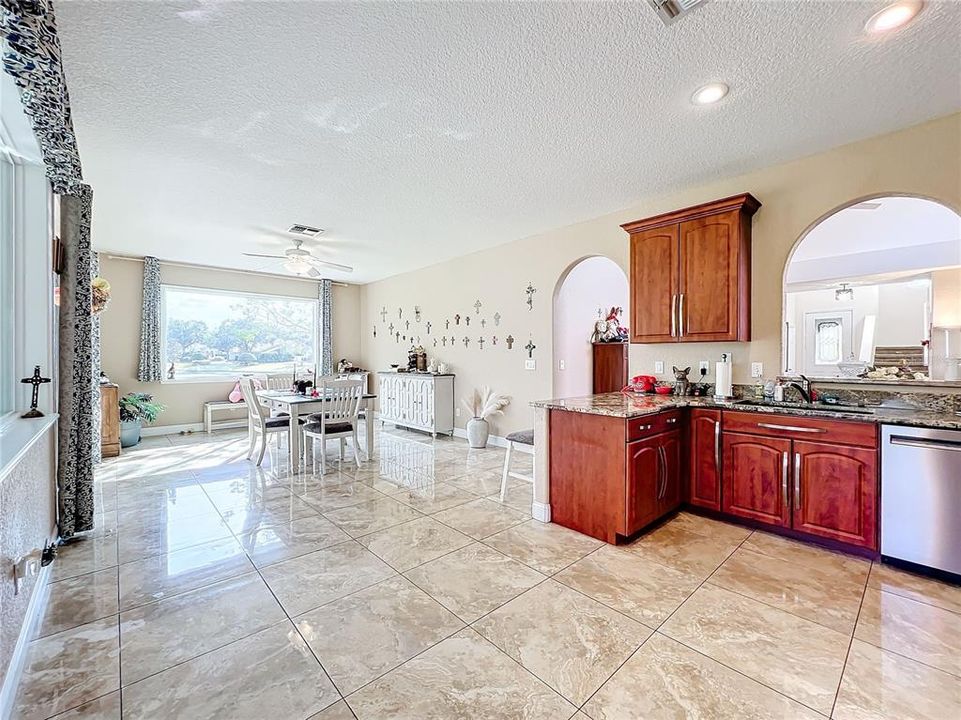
{"x":585,"y":292}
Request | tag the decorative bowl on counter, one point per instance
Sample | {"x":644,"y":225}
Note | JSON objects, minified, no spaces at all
{"x":664,"y":390}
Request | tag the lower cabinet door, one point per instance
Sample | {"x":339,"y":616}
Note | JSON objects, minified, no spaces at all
{"x":756,"y":474}
{"x":836,"y":492}
{"x":643,"y":482}
{"x":670,"y":498}
{"x":705,"y":459}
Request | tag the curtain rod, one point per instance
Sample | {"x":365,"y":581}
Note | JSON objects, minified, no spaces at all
{"x":197,"y":266}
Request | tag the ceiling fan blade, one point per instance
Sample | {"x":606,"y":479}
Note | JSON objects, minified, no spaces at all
{"x":275,"y":257}
{"x":317,"y":261}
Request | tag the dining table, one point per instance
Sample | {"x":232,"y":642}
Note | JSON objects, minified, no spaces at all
{"x":297,"y":406}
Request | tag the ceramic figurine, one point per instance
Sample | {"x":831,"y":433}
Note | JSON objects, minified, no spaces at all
{"x":681,"y":383}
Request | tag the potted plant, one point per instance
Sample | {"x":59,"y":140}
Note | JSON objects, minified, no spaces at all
{"x":483,"y":406}
{"x":135,"y":410}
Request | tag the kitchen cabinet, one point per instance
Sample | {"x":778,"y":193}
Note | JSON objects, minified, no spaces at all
{"x":643,"y":483}
{"x":756,"y":478}
{"x":691,"y":273}
{"x":815,"y":476}
{"x":670,"y":495}
{"x":835,"y":492}
{"x":704,"y":427}
{"x":609,"y":366}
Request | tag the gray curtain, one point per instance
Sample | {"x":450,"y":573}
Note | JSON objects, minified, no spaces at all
{"x":326,"y":352}
{"x":150,"y":369}
{"x":76,"y":391}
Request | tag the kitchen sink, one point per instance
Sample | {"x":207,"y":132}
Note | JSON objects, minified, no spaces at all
{"x":815,"y":407}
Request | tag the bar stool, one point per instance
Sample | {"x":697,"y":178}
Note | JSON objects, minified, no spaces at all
{"x":521,"y":437}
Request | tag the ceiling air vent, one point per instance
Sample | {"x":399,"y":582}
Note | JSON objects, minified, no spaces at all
{"x":671,"y":10}
{"x":306,"y":230}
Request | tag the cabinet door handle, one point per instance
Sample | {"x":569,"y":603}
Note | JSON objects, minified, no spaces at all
{"x":784,"y":464}
{"x":672,"y":420}
{"x":717,"y":446}
{"x":797,"y":481}
{"x":662,"y":454}
{"x":680,"y":315}
{"x":674,"y":315}
{"x":790,"y":428}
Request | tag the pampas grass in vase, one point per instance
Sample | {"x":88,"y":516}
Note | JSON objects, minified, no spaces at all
{"x":482,"y":406}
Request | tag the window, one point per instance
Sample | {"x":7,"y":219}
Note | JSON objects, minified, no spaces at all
{"x":828,"y":342}
{"x":216,"y":335}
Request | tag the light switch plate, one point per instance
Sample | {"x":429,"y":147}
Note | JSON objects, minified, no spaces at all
{"x":659,"y":366}
{"x":561,"y":365}
{"x":757,"y":370}
{"x":530,"y":364}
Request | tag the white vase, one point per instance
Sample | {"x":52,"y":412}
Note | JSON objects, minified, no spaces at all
{"x":477,"y":432}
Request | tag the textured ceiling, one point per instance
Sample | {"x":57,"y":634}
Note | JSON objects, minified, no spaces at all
{"x":418,"y":132}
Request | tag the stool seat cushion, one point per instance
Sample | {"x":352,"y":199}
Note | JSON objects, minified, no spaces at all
{"x":524,"y":437}
{"x":332,"y":428}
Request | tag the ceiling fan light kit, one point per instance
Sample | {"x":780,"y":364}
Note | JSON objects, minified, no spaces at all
{"x":301,"y":262}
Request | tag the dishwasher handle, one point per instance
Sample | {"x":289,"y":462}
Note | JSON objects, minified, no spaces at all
{"x":925,"y":443}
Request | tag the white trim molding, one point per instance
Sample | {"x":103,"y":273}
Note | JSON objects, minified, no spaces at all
{"x":18,"y":659}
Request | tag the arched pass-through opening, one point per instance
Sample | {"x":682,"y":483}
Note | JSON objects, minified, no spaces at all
{"x":589,"y":286}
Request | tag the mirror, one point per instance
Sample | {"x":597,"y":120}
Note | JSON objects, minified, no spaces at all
{"x":872,"y":293}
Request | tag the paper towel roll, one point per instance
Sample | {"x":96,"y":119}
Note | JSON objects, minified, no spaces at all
{"x":722,"y":382}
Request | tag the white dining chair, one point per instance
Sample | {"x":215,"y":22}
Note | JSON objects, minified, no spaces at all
{"x":259,"y":422}
{"x":338,"y":421}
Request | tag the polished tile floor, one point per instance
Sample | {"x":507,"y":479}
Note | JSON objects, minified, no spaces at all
{"x":213,"y":589}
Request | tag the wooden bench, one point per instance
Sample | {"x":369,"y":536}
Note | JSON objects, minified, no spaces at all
{"x":213,"y":406}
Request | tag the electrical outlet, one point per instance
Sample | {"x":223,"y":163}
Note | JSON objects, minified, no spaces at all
{"x":757,"y":370}
{"x":658,"y":366}
{"x":561,"y":365}
{"x":530,"y":364}
{"x":705,"y":365}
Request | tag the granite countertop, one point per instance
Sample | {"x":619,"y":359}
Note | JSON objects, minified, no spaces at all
{"x":628,"y":405}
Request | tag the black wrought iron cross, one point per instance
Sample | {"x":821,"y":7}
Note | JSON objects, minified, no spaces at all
{"x":36,"y":381}
{"x":481,"y":343}
{"x":530,"y":296}
{"x":477,"y":307}
{"x":530,"y":347}
{"x":383,"y":314}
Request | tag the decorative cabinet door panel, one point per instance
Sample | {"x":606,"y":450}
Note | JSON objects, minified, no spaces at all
{"x":756,"y":476}
{"x":643,"y":483}
{"x":705,"y":490}
{"x":654,"y":285}
{"x":835,"y":492}
{"x":708,"y":300}
{"x":671,"y":460}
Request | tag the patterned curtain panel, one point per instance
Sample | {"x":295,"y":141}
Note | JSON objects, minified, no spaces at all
{"x":33,"y":60}
{"x":95,"y":453}
{"x":326,"y":352}
{"x":150,"y":369}
{"x":76,"y":391}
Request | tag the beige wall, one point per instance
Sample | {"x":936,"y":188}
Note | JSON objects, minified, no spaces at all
{"x":120,"y":328}
{"x":923,"y":160}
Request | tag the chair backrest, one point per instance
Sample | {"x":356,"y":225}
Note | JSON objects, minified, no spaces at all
{"x":255,"y":410}
{"x":280,"y":382}
{"x":343,"y":399}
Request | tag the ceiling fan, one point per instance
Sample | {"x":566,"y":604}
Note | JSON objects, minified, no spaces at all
{"x":301,"y":262}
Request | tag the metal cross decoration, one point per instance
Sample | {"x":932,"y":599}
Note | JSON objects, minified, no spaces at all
{"x":481,"y":343}
{"x":497,"y":318}
{"x":477,"y":307}
{"x":483,"y":322}
{"x":417,"y":313}
{"x":457,"y":319}
{"x":400,"y":313}
{"x":428,"y":327}
{"x":443,"y":339}
{"x":435,"y":342}
{"x":600,"y":313}
{"x":494,"y":339}
{"x":510,"y":342}
{"x":466,"y":341}
{"x":530,"y":296}
{"x":467,"y":320}
{"x":36,"y":381}
{"x":383,"y":314}
{"x":404,"y":338}
{"x":407,"y":324}
{"x":530,"y":348}
{"x":452,"y":339}
{"x":447,"y":324}
{"x":397,"y":337}
{"x":375,"y":331}
{"x":390,"y":329}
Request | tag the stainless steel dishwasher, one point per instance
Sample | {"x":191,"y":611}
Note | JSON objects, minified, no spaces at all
{"x":921,"y":496}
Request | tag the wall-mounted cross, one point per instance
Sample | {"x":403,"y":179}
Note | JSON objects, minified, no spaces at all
{"x":390,"y":328}
{"x":494,"y":339}
{"x":407,"y":324}
{"x":497,"y":318}
{"x":447,"y":324}
{"x":36,"y":381}
{"x":383,"y":314}
{"x":428,"y":327}
{"x":457,"y":319}
{"x":375,"y":331}
{"x":397,"y":337}
{"x":530,"y":348}
{"x":483,"y":322}
{"x":481,"y":343}
{"x":452,"y":339}
{"x":467,"y":320}
{"x":400,"y":313}
{"x":466,"y":341}
{"x":600,"y":313}
{"x":510,"y":342}
{"x":530,"y":296}
{"x":443,"y":339}
{"x":477,"y":307}
{"x":417,"y":313}
{"x":435,"y":342}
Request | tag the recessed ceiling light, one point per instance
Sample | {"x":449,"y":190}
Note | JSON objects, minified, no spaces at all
{"x":893,"y":16}
{"x":710,"y":93}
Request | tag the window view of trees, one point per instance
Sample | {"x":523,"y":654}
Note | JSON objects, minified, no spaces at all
{"x":225,"y":334}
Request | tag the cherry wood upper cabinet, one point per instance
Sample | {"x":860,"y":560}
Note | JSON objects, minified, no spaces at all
{"x":691,"y":273}
{"x":835,"y":492}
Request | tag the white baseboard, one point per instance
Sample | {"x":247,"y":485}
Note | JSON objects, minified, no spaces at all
{"x":541,"y":512}
{"x":153,"y":430}
{"x":35,"y":609}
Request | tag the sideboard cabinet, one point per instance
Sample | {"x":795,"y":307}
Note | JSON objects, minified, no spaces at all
{"x":418,"y":401}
